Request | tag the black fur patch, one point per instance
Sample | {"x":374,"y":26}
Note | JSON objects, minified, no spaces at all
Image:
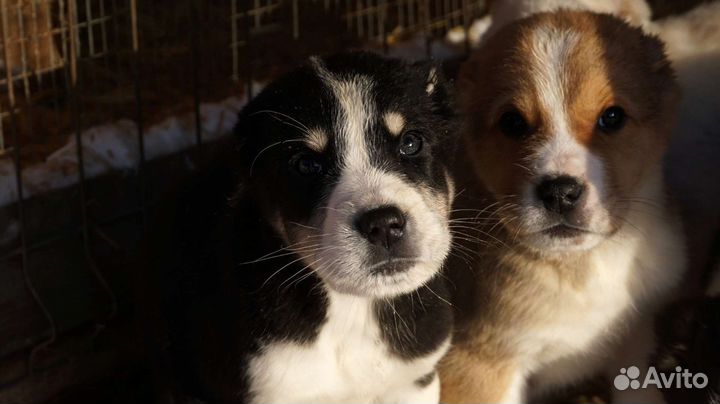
{"x":416,"y":323}
{"x":221,"y":309}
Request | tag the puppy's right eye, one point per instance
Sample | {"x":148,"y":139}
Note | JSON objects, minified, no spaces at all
{"x":306,"y":164}
{"x":612,"y":119}
{"x":513,"y":124}
{"x":410,"y":144}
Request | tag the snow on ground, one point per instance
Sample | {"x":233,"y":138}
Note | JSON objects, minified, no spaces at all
{"x":114,"y":146}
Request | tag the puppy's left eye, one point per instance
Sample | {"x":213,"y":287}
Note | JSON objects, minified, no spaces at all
{"x":612,"y":119}
{"x":306,"y":164}
{"x":410,"y":144}
{"x":513,"y":124}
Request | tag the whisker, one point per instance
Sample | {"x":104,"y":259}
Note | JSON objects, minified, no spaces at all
{"x":297,"y":124}
{"x":438,"y":296}
{"x":278,"y":254}
{"x":299,"y":271}
{"x":304,"y":226}
{"x":278,"y":250}
{"x":465,"y":259}
{"x":278,"y":271}
{"x":629,"y":223}
{"x":252,"y":165}
{"x":467,"y":250}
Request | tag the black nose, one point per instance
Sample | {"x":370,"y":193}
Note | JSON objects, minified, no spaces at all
{"x":383,"y":226}
{"x":560,"y":194}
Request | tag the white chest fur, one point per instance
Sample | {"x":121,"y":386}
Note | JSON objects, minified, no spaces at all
{"x":348,"y":362}
{"x":627,"y":277}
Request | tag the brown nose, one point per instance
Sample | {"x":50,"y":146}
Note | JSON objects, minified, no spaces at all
{"x":383,"y":226}
{"x":560,"y":194}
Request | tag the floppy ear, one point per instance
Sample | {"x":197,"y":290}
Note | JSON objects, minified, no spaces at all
{"x":655,"y":52}
{"x":662,"y":67}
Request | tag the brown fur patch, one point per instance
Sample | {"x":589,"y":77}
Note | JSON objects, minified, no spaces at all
{"x":464,"y":379}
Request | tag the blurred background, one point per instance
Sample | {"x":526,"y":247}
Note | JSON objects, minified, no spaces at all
{"x":101,"y":103}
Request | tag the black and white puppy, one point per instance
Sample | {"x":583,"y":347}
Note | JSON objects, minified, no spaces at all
{"x":309,"y":259}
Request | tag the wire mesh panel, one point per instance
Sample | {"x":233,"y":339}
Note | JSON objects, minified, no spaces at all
{"x":63,"y":69}
{"x":44,"y":44}
{"x":296,"y":29}
{"x":29,"y":53}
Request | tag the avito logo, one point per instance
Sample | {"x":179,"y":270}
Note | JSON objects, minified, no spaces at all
{"x":681,"y":378}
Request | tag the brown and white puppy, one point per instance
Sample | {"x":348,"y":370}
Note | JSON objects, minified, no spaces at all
{"x":567,"y":119}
